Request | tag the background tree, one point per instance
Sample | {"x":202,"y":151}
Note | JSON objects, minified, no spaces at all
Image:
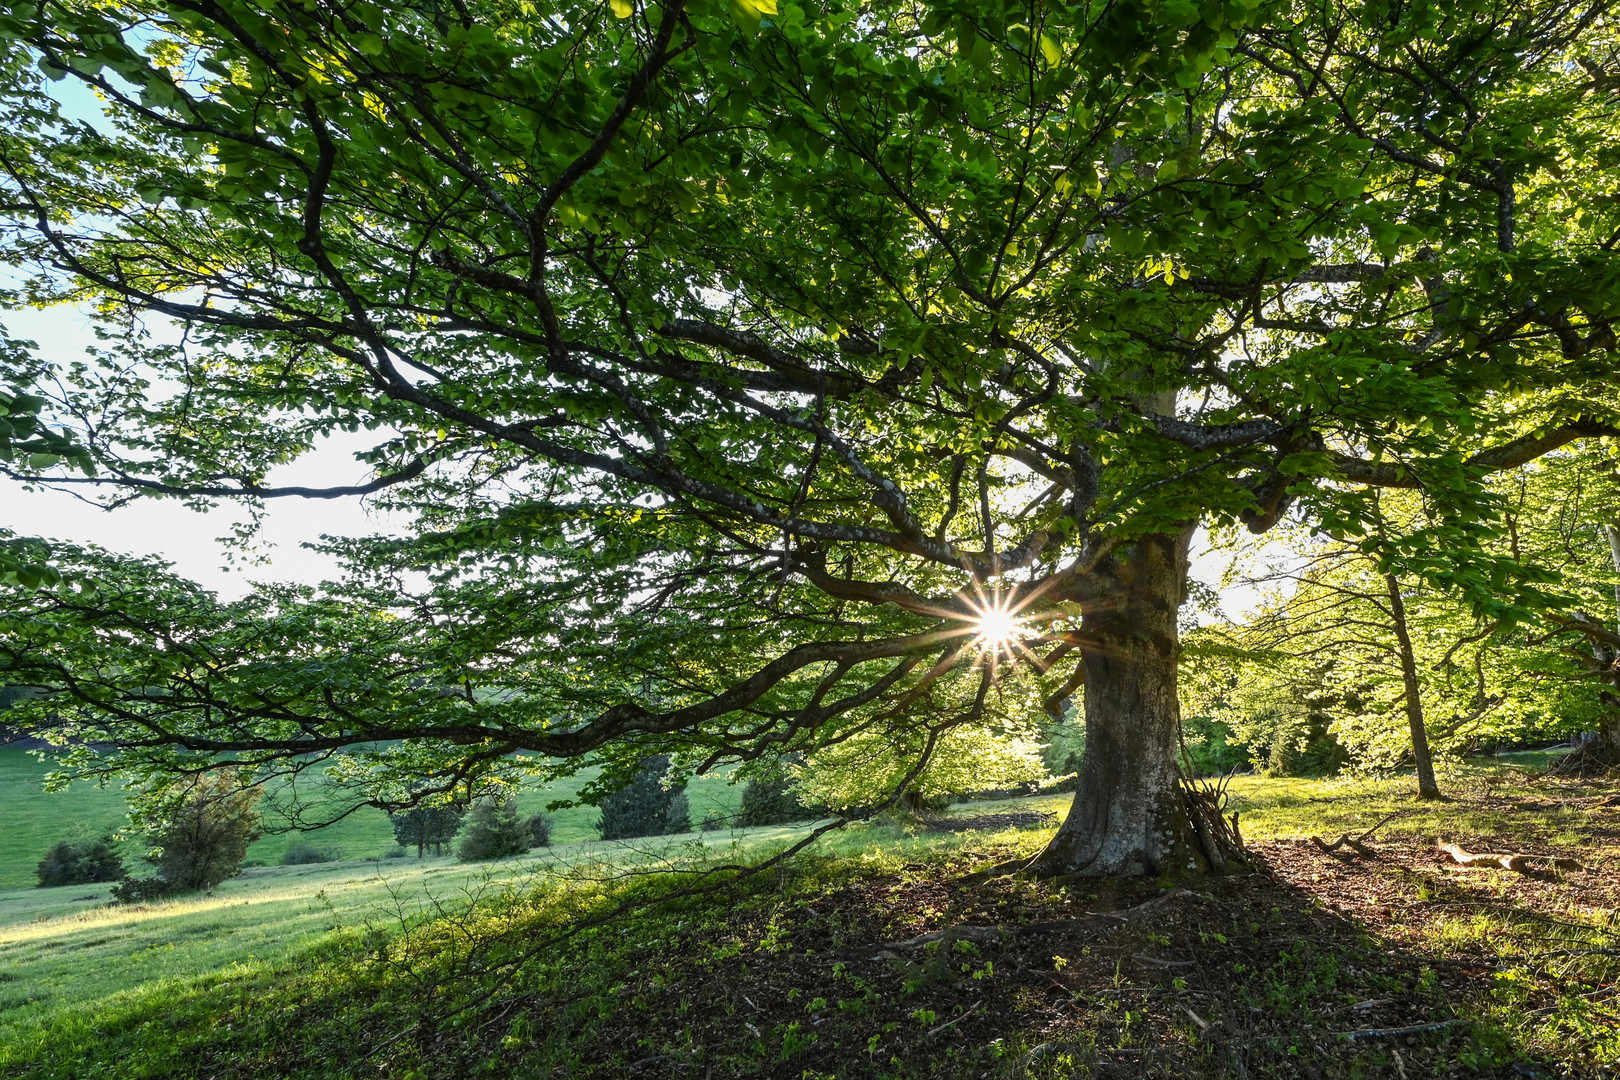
{"x":494,"y":831}
{"x":1332,"y":648}
{"x":1568,"y":514}
{"x":771,"y":800}
{"x":745,"y":375}
{"x":538,"y":830}
{"x":427,"y":827}
{"x":645,"y":806}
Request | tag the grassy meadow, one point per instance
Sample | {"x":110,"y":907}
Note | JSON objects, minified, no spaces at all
{"x":32,"y":819}
{"x":412,"y":969}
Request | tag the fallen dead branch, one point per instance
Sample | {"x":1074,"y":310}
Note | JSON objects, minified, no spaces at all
{"x":1355,"y":843}
{"x":1518,"y":862}
{"x":1390,"y":1033}
{"x":1346,"y":840}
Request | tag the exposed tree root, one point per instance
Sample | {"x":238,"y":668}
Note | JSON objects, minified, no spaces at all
{"x":1001,"y":869}
{"x":1216,"y":838}
{"x":1518,"y":862}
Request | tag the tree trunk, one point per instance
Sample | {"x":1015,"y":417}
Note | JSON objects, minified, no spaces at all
{"x":1427,"y":787}
{"x":1129,"y":814}
{"x":1612,"y":532}
{"x":1609,"y":726}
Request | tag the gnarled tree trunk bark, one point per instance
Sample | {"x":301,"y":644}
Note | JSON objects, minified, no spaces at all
{"x":1129,"y":814}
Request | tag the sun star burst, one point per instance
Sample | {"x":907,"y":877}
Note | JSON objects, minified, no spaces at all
{"x":998,"y":628}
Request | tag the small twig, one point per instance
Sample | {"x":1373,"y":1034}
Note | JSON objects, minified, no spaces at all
{"x":1386,"y":820}
{"x":952,"y":1023}
{"x":1370,"y":1003}
{"x":1383,"y":1033}
{"x":674,"y":1064}
{"x":1203,"y":1025}
{"x":1156,"y":962}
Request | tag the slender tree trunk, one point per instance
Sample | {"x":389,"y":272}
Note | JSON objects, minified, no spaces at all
{"x":1427,"y":787}
{"x":1609,"y":726}
{"x":1129,"y":815}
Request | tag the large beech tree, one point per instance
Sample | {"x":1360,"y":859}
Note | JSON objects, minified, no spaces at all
{"x":735,"y":360}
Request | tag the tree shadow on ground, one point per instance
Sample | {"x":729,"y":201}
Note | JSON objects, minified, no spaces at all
{"x":1392,"y":964}
{"x":1315,"y":967}
{"x":1240,"y":976}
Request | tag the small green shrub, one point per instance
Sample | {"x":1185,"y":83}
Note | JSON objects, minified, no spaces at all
{"x":396,"y":853}
{"x":207,"y":832}
{"x":142,"y":890}
{"x":305,"y":854}
{"x":713,"y":821}
{"x":81,"y":862}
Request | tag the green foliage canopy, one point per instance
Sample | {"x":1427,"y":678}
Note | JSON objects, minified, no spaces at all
{"x":730,"y":362}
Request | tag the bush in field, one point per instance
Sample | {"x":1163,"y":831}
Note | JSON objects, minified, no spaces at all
{"x":427,"y":827}
{"x":306,"y":854}
{"x":713,"y":821}
{"x":772,"y":801}
{"x":142,"y":889}
{"x":494,"y":832}
{"x":645,"y":807}
{"x":539,"y":826}
{"x":81,"y":862}
{"x":205,"y":835}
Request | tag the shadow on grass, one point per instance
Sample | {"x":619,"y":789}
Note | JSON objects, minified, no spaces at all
{"x":1316,"y":969}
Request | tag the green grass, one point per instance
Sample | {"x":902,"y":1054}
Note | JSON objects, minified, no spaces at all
{"x":32,"y":819}
{"x":70,"y":947}
{"x":152,"y":990}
